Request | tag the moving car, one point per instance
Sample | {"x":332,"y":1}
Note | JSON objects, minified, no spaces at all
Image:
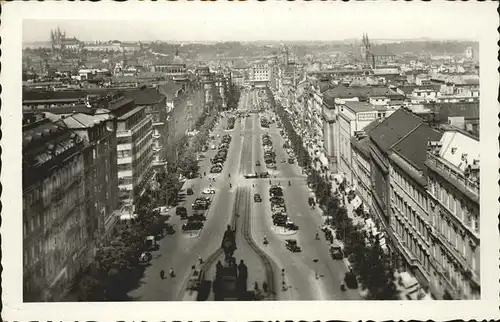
{"x":283,"y":160}
{"x":291,"y":244}
{"x":250,"y":175}
{"x":208,"y":191}
{"x":189,"y":191}
{"x":257,"y":198}
{"x":291,"y":160}
{"x":257,"y":163}
{"x":264,"y":174}
{"x":213,"y":147}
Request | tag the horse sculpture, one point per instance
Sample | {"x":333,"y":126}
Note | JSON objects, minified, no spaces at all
{"x":228,"y":243}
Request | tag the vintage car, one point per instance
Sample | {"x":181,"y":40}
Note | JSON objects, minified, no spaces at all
{"x":180,"y":210}
{"x":277,"y":200}
{"x":291,"y":245}
{"x":336,"y":252}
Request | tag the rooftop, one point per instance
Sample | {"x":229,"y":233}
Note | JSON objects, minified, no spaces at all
{"x":359,"y":107}
{"x":459,"y":149}
{"x":363,"y":92}
{"x":144,"y":96}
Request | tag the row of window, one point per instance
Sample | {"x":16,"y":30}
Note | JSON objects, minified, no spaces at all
{"x":63,"y":240}
{"x":454,"y":205}
{"x":413,"y":217}
{"x":412,"y":245}
{"x":454,"y":275}
{"x":62,"y":177}
{"x":419,"y":197}
{"x":57,"y":210}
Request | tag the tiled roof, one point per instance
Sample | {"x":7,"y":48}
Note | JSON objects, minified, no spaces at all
{"x":457,"y":146}
{"x":394,"y":128}
{"x":413,"y":147}
{"x":445,"y":110}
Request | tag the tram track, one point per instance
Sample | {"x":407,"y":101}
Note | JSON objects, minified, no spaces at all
{"x":264,"y":258}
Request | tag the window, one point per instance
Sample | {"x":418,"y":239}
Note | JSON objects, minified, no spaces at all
{"x":32,"y":224}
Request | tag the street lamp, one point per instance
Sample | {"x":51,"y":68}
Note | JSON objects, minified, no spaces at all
{"x":316,"y":267}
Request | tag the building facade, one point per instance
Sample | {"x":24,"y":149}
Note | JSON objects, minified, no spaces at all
{"x":55,"y":235}
{"x":453,"y":193}
{"x":101,"y":175}
{"x":135,"y":148}
{"x":155,"y":105}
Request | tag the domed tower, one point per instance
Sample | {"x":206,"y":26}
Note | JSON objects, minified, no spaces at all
{"x":178,"y":59}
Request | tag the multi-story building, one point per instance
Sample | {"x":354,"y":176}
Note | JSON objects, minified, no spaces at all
{"x":261,"y":74}
{"x":333,"y":99}
{"x":101,"y":176}
{"x":361,"y":166}
{"x":398,"y":151}
{"x":453,"y":193}
{"x":155,"y":105}
{"x":353,"y":118}
{"x":55,"y":235}
{"x":175,"y":69}
{"x":135,"y":148}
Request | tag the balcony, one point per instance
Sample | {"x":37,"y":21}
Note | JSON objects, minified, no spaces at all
{"x":468,"y":186}
{"x":156,"y":135}
{"x":157,"y":148}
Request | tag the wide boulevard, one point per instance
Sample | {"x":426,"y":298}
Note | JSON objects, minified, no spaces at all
{"x":308,"y":275}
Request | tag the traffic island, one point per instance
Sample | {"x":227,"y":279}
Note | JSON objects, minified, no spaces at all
{"x":281,"y":231}
{"x":192,"y":233}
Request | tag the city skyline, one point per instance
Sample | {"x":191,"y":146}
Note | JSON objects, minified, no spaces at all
{"x":210,"y":24}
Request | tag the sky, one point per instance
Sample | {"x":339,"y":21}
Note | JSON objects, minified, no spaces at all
{"x":251,"y":21}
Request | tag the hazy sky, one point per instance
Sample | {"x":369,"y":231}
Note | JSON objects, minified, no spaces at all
{"x":237,"y":21}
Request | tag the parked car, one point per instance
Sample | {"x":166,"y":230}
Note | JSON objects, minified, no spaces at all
{"x":336,"y":252}
{"x":277,"y":201}
{"x":180,"y":210}
{"x":192,"y":225}
{"x":291,"y":160}
{"x":291,"y":225}
{"x":215,"y":170}
{"x":350,"y":280}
